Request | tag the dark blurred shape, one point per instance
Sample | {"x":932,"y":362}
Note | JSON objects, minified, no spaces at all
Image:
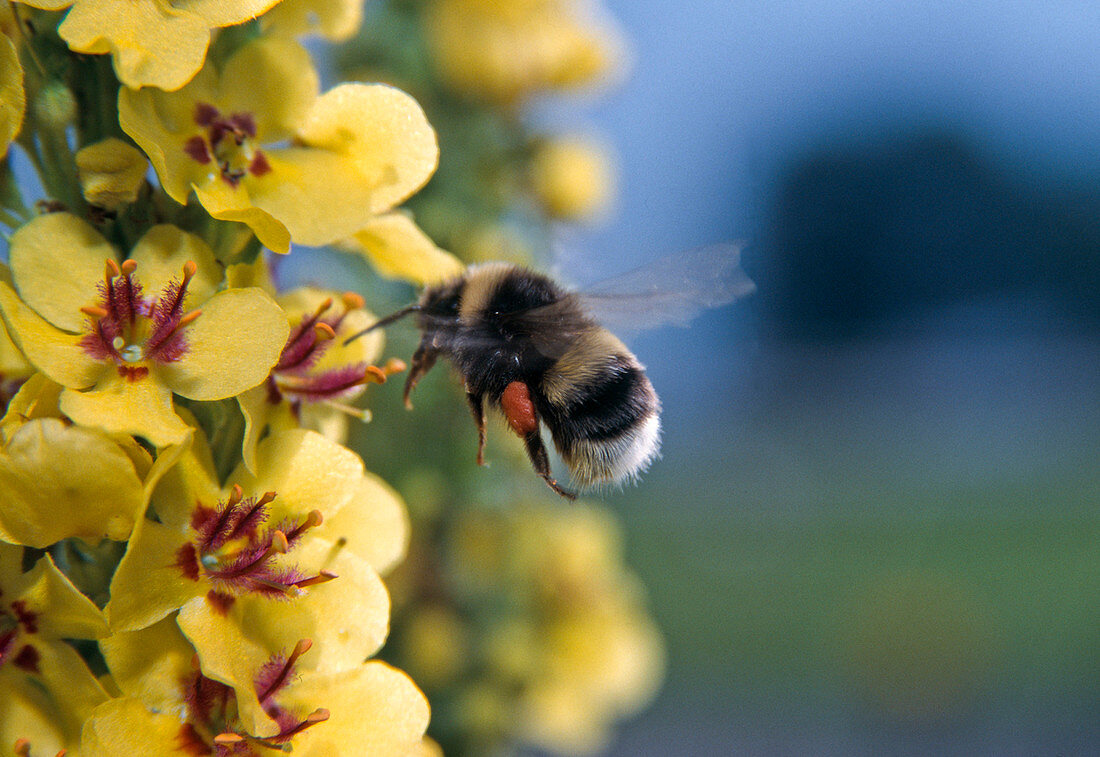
{"x":873,"y":229}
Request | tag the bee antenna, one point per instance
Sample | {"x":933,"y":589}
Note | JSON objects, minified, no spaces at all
{"x":383,"y":322}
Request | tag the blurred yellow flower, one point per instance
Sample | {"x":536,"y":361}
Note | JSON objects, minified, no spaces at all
{"x":170,"y":704}
{"x":121,"y":353}
{"x":111,"y":173}
{"x":258,"y":145}
{"x":48,"y":691}
{"x":506,"y":51}
{"x":572,"y":178}
{"x":13,"y":101}
{"x":159,"y":43}
{"x":335,"y":20}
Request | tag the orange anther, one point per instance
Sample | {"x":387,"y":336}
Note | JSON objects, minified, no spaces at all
{"x":324,"y":331}
{"x":374,"y":375}
{"x":189,"y":318}
{"x":352,"y":301}
{"x":128,"y":267}
{"x":228,"y":739}
{"x":112,"y":269}
{"x":95,"y":311}
{"x":394,"y":365}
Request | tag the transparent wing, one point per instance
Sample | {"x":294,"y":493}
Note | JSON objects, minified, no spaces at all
{"x":670,"y":291}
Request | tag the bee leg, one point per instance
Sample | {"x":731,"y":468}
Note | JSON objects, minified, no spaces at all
{"x":477,"y":407}
{"x":536,"y":450}
{"x":521,"y":415}
{"x":422,"y":361}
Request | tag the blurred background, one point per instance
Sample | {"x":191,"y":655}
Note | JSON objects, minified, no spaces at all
{"x":875,"y":526}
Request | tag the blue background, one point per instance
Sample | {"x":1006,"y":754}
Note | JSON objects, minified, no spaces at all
{"x":874,"y":529}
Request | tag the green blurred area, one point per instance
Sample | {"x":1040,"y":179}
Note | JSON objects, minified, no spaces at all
{"x":869,"y":546}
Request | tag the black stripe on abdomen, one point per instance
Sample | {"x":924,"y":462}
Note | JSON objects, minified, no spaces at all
{"x":603,"y":408}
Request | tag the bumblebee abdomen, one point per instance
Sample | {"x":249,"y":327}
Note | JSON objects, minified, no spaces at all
{"x":601,"y":410}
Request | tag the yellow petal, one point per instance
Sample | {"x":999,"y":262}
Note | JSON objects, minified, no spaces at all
{"x":65,"y":676}
{"x":57,"y":261}
{"x":63,"y":612}
{"x":232,"y":346}
{"x":50,"y":350}
{"x":152,"y":43}
{"x":275,"y":80}
{"x":141,"y":408}
{"x":47,"y":498}
{"x":150,"y":664}
{"x":374,"y":524}
{"x":374,"y":706}
{"x":397,"y":248}
{"x":318,"y":196}
{"x":233,"y":204}
{"x":37,"y":398}
{"x":191,"y":479}
{"x":148,"y":585}
{"x":160,"y":256}
{"x":13,"y":101}
{"x":111,"y":172}
{"x":306,"y":471}
{"x":125,"y":726}
{"x":12,"y":362}
{"x":256,"y":410}
{"x":220,"y":13}
{"x":383,"y":131}
{"x":26,"y":714}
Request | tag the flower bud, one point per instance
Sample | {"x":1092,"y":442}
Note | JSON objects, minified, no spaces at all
{"x":111,"y":173}
{"x":55,"y":106}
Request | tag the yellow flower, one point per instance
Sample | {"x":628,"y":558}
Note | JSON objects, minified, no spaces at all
{"x":505,"y":51}
{"x":291,"y":552}
{"x":13,"y":101}
{"x":48,"y":691}
{"x":159,"y":43}
{"x":171,"y":705}
{"x":572,"y":177}
{"x":111,"y":173}
{"x":335,"y":20}
{"x":397,"y":248}
{"x":47,"y":498}
{"x":256,"y":144}
{"x":121,"y":347}
{"x":569,"y":633}
{"x":317,"y":374}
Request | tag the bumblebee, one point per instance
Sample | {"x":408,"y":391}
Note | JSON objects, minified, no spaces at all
{"x":538,"y":353}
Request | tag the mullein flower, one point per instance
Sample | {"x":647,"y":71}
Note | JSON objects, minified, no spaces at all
{"x":122,"y":342}
{"x":335,"y":20}
{"x":170,"y":704}
{"x":48,"y":691}
{"x":317,"y":376}
{"x":259,"y":562}
{"x":506,"y":51}
{"x":153,"y":42}
{"x":256,"y":143}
